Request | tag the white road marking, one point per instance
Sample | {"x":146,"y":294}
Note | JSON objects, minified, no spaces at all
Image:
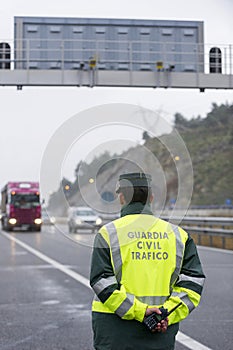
{"x":190,"y":343}
{"x":181,"y":337}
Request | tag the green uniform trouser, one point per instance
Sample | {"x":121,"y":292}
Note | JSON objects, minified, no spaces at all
{"x":113,"y":333}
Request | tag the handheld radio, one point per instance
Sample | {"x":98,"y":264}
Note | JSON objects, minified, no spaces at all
{"x":152,"y":320}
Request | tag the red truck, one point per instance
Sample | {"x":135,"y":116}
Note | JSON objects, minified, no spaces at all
{"x":21,"y":207}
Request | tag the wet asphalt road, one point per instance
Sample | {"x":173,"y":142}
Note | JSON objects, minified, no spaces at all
{"x":43,"y":308}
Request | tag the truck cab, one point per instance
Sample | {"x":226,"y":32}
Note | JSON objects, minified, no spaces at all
{"x":20,"y":206}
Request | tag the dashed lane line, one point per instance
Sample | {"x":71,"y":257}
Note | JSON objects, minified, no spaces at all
{"x":181,"y":337}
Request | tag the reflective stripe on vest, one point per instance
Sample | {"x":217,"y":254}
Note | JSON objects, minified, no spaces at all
{"x":125,"y":305}
{"x":149,"y":300}
{"x":116,"y":252}
{"x":198,"y":280}
{"x":103,"y":283}
{"x":179,"y":255}
{"x":152,"y":300}
{"x":123,"y":308}
{"x":185,"y":299}
{"x":159,"y":300}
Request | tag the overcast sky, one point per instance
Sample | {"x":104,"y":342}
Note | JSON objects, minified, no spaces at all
{"x":30,"y":117}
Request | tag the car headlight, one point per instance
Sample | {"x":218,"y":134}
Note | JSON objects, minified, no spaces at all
{"x":37,"y":221}
{"x":78,"y":221}
{"x":12,"y":221}
{"x":98,"y":221}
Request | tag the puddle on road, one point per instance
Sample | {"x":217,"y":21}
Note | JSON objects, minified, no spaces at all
{"x":50,"y":302}
{"x":20,"y":253}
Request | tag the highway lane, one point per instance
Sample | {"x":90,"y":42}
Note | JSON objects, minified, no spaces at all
{"x":44,"y":308}
{"x":40,"y":307}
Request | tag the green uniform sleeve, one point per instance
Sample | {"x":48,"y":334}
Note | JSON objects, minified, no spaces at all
{"x":188,"y":287}
{"x":104,"y":283}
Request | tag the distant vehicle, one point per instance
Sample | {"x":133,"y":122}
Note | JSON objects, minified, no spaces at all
{"x":83,"y":218}
{"x":20,"y":206}
{"x":46,"y":218}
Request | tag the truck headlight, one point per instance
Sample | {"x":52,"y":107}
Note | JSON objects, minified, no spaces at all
{"x":38,"y":221}
{"x":12,"y":221}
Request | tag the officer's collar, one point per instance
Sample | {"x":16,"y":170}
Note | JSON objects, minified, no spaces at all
{"x":136,"y":208}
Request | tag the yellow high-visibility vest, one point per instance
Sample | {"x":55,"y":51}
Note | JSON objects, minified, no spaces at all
{"x":146,"y":255}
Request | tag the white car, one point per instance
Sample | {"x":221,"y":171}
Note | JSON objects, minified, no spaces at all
{"x":81,"y":218}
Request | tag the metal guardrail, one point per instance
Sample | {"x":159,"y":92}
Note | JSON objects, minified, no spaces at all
{"x":203,"y":221}
{"x":208,"y":230}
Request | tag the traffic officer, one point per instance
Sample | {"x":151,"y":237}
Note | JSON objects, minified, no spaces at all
{"x":139,"y":264}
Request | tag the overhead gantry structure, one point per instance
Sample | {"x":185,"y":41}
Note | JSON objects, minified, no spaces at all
{"x":91,"y":52}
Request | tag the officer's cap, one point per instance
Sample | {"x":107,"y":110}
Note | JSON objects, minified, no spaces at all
{"x":133,"y":179}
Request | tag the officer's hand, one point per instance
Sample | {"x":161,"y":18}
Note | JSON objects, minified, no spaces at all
{"x":162,"y":326}
{"x":151,"y":310}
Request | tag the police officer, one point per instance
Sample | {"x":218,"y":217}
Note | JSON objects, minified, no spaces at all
{"x":140,"y":263}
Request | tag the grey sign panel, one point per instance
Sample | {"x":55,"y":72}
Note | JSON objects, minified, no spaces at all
{"x":108,"y":44}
